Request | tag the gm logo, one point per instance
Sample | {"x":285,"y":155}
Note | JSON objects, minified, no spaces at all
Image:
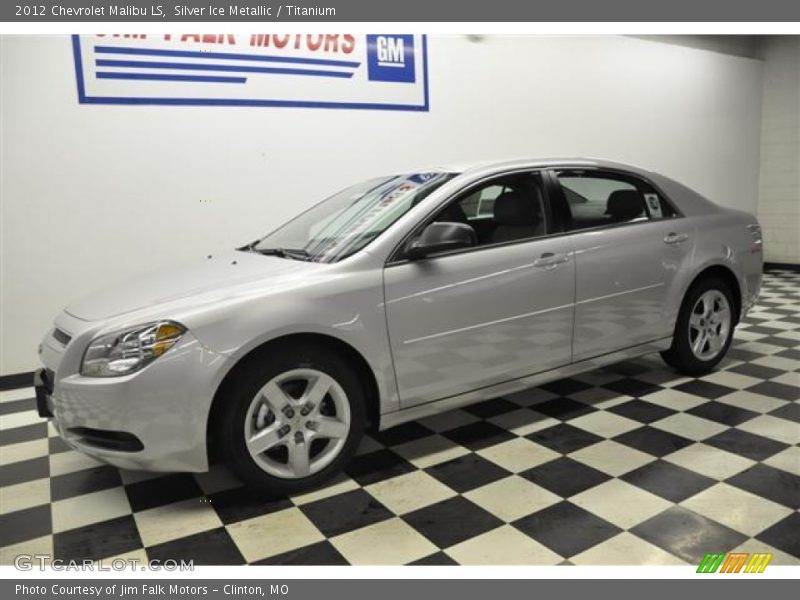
{"x":390,"y":57}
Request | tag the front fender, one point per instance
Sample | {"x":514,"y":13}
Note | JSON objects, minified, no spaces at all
{"x":349,"y":309}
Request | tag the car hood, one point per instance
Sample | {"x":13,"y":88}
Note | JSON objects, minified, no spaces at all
{"x":203,"y":280}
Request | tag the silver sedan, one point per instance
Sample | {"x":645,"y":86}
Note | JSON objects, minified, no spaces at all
{"x":392,"y":300}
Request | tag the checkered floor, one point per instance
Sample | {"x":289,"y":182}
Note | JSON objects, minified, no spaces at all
{"x":629,"y":465}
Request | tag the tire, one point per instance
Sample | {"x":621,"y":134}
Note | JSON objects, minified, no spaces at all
{"x":294,"y":399}
{"x":690,"y":354}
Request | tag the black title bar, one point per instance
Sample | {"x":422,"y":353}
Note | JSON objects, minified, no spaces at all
{"x":405,"y":10}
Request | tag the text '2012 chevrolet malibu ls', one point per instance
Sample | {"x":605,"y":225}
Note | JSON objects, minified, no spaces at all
{"x":392,"y":300}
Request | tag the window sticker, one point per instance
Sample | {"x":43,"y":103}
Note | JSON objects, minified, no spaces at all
{"x":653,"y":205}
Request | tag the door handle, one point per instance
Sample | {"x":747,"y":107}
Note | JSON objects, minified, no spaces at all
{"x":675,"y":238}
{"x":548,"y":260}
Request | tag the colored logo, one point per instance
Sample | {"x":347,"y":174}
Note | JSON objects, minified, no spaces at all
{"x":735,"y":562}
{"x":391,"y":58}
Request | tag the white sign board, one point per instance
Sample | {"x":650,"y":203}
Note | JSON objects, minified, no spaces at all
{"x":359,"y":71}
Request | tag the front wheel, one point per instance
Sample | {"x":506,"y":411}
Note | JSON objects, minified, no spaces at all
{"x":295,"y":416}
{"x":704,"y":329}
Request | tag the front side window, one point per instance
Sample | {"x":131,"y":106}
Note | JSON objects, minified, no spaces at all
{"x":349,"y":220}
{"x":480,"y":204}
{"x":598,"y":198}
{"x":503,"y":209}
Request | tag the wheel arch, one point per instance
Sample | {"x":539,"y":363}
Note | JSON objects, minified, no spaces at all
{"x":727,"y":275}
{"x":365,"y":374}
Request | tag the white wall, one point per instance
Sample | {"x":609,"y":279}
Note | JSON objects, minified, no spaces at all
{"x":94,"y":194}
{"x":738,"y":45}
{"x":779,"y":189}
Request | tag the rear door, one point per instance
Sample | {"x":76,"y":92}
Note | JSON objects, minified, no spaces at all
{"x":629,"y":244}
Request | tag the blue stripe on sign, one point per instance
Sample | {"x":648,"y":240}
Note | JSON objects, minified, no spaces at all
{"x":166,"y":77}
{"x":144,"y":64}
{"x":225,"y":55}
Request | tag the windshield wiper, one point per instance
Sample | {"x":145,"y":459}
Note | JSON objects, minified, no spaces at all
{"x":295,"y":253}
{"x":248,"y":247}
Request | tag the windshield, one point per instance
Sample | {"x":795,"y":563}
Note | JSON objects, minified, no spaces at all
{"x":346,"y":222}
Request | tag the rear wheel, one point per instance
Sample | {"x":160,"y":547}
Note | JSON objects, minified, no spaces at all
{"x":704,"y":329}
{"x":295,"y":416}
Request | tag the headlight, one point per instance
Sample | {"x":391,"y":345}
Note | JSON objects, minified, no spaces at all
{"x":127,"y":351}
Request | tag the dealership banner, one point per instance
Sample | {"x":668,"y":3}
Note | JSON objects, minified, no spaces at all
{"x":382,"y":71}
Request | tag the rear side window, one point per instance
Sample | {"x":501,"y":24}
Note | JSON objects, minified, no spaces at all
{"x":599,"y":198}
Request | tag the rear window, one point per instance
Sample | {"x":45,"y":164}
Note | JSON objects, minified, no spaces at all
{"x":598,"y":198}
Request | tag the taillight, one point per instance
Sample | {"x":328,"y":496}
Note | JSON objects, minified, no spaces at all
{"x":758,"y":241}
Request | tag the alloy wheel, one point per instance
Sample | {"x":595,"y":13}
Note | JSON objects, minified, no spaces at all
{"x":297,"y":423}
{"x":709,"y":325}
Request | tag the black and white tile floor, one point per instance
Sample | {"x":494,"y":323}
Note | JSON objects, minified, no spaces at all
{"x":628,"y":465}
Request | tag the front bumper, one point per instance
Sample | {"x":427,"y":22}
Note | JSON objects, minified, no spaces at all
{"x":154,"y":419}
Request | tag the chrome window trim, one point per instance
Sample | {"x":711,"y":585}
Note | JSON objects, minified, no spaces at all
{"x":623,"y":224}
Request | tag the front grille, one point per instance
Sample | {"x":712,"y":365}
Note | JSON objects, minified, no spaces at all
{"x":61,"y":337}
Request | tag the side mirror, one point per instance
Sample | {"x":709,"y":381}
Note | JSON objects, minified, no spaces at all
{"x":440,"y":237}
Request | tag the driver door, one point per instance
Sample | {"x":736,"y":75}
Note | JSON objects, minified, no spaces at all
{"x":483,"y":315}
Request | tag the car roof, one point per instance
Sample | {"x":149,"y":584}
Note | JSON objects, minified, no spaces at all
{"x":488,"y":165}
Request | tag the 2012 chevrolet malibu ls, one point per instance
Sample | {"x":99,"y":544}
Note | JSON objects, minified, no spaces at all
{"x":392,"y":300}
